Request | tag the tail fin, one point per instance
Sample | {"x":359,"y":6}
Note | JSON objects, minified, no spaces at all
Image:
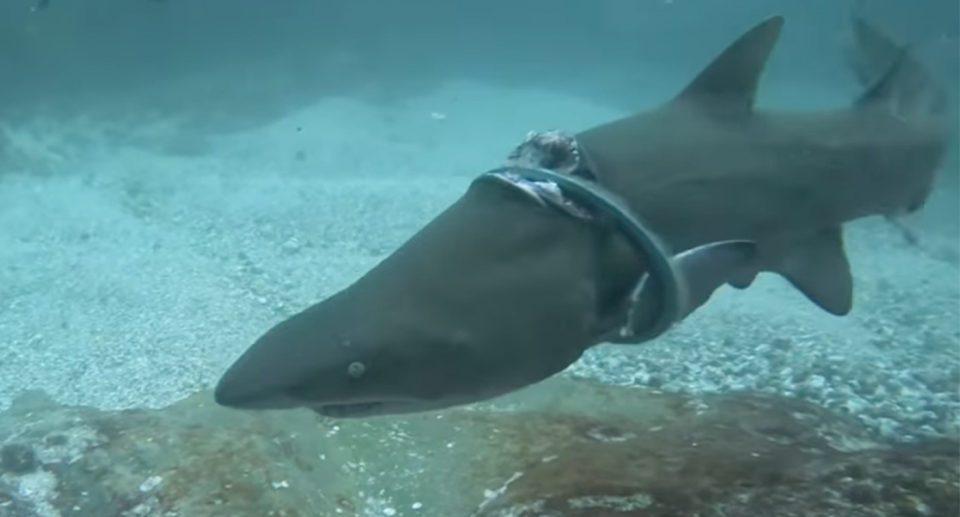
{"x":893,"y":76}
{"x":897,"y":83}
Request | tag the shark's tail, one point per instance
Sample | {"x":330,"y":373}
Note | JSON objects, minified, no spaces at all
{"x":891,"y":73}
{"x":898,"y":83}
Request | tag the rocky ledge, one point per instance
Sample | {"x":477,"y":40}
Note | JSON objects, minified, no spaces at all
{"x":566,"y":448}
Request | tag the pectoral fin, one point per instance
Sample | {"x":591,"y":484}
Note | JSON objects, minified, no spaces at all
{"x":702,"y":271}
{"x":705,"y":268}
{"x":819,"y":268}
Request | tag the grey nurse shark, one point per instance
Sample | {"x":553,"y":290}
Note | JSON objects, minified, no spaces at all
{"x":498,"y":293}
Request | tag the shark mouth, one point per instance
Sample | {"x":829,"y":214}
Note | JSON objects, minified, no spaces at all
{"x":348,"y":410}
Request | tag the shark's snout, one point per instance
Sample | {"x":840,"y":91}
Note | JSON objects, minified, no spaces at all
{"x":245,"y":386}
{"x":271,"y":373}
{"x":324,"y":359}
{"x":251,"y":384}
{"x":243,"y":389}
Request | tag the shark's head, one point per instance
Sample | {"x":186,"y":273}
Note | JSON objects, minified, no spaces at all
{"x":338,"y":378}
{"x":470,"y":308}
{"x":341,"y":361}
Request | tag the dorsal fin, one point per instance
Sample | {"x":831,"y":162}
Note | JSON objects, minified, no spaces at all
{"x":885,"y":88}
{"x":729,"y":83}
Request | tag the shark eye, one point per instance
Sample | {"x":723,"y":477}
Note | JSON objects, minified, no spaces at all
{"x":356,"y":369}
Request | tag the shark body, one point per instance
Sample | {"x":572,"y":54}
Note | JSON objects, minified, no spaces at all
{"x":788,"y":180}
{"x":497,"y":293}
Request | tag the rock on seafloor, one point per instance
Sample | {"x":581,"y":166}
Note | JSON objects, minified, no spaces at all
{"x":564,"y":448}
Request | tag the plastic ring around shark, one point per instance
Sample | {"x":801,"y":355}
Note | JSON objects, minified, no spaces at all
{"x":660,"y":265}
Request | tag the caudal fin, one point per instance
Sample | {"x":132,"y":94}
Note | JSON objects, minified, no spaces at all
{"x":893,"y":77}
{"x":896,"y":82}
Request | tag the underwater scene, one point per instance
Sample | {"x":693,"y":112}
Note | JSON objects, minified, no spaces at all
{"x":578,"y":258}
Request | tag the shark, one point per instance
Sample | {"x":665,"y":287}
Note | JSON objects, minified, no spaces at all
{"x":790,"y":180}
{"x":498,"y":293}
